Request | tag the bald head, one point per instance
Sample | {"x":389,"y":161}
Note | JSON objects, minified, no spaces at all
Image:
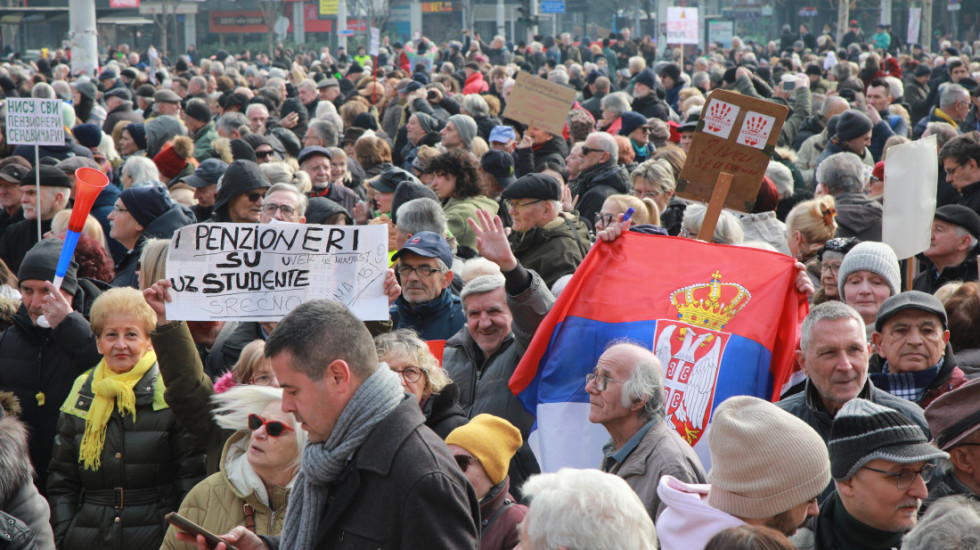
{"x":833,"y":106}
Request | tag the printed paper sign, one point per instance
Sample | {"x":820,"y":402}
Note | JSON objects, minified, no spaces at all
{"x":682,"y":25}
{"x":756,"y":129}
{"x":261,"y":272}
{"x":375,"y":42}
{"x":720,"y":118}
{"x":33,"y":121}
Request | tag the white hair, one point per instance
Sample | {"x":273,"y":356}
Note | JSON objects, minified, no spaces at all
{"x":141,"y":169}
{"x":585,"y":509}
{"x":234,"y":405}
{"x":950,"y":523}
{"x":782,"y":177}
{"x":727,"y":231}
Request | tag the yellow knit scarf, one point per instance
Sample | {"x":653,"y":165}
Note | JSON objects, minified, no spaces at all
{"x":110,"y":389}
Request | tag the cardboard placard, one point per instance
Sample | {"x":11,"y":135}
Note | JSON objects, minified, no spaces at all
{"x":736,"y":134}
{"x":261,"y":272}
{"x":35,"y":121}
{"x":539,"y":103}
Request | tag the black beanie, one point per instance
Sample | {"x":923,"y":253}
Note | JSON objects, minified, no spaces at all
{"x":406,"y":191}
{"x":41,"y":261}
{"x":241,"y":150}
{"x":853,"y":124}
{"x":366,"y":121}
{"x":146,"y":204}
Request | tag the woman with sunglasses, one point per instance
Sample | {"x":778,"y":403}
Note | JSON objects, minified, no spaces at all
{"x":258,"y":466}
{"x":409,"y":356}
{"x":121,"y":459}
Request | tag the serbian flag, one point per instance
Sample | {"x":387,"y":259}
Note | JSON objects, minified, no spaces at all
{"x":723,"y":320}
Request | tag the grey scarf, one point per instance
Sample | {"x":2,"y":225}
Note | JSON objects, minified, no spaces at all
{"x":323,"y":462}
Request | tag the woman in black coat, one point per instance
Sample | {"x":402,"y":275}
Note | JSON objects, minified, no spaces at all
{"x":121,"y":458}
{"x":421,"y":375}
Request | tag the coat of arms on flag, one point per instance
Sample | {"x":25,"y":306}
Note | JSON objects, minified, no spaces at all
{"x":722,"y":320}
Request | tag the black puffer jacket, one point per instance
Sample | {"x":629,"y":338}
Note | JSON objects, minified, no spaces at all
{"x":442,"y":411}
{"x":596,"y":184}
{"x":534,"y":159}
{"x":147,"y":467}
{"x":37,"y":361}
{"x":652,"y":106}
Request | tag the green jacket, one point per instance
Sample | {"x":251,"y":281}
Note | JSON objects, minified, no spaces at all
{"x":189,"y":389}
{"x":553,"y":250}
{"x":203,"y":139}
{"x":458,"y":210}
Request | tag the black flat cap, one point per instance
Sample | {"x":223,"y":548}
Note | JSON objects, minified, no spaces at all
{"x":534,"y":186}
{"x":912,"y":299}
{"x":961,"y":216}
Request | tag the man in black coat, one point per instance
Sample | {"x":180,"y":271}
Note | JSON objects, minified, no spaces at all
{"x":19,"y":237}
{"x":374,"y":476}
{"x":952,"y":248}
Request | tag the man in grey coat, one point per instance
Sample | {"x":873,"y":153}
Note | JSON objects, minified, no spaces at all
{"x":626,"y":396}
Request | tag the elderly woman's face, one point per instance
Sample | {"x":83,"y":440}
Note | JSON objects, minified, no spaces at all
{"x":264,"y":375}
{"x":412,"y":376}
{"x":123,"y":341}
{"x":268,"y":453}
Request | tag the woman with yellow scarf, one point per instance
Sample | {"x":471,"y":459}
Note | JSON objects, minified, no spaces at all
{"x":121,"y":458}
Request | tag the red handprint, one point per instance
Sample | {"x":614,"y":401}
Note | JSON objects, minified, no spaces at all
{"x":718,"y":112}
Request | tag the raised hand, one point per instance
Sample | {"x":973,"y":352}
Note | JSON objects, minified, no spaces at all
{"x":491,"y":240}
{"x":54,"y":306}
{"x":614,"y":230}
{"x":157,"y":297}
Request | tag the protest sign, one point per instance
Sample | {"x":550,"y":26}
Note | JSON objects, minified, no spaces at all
{"x":735,"y":135}
{"x":682,"y":25}
{"x":375,"y":42}
{"x":261,"y":272}
{"x":910,"y":196}
{"x":34,"y":121}
{"x":539,"y":103}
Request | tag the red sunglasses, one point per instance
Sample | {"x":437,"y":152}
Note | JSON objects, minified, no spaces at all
{"x":272,"y":427}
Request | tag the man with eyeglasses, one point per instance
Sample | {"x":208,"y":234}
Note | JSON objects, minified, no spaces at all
{"x":955,"y":422}
{"x":834,"y":356}
{"x":426,"y":304}
{"x":544,"y":238}
{"x":960,"y":158}
{"x":880,"y":462}
{"x":240,"y":193}
{"x":283,"y":202}
{"x":626,"y":396}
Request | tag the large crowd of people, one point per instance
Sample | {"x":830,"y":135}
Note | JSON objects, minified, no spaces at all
{"x":323,"y":431}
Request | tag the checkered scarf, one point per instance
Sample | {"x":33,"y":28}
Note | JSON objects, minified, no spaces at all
{"x":907,"y":385}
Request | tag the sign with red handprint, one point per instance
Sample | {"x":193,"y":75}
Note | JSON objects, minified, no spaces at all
{"x":719,"y":119}
{"x":755,"y":130}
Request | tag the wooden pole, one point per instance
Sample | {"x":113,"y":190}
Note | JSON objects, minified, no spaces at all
{"x":717,"y":201}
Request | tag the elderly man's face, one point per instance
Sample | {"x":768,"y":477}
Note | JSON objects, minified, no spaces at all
{"x":307,"y":95}
{"x":911,"y":340}
{"x":419,"y":289}
{"x":836,"y":361}
{"x":172,"y":109}
{"x":318,"y":167}
{"x":282,"y":206}
{"x":257,"y":119}
{"x":413,"y":130}
{"x":606,"y":406}
{"x":205,"y":196}
{"x":450,"y":137}
{"x":875,"y":499}
{"x":878,"y":97}
{"x":945,"y":242}
{"x":247,"y":207}
{"x":592,"y":154}
{"x":488,"y":318}
{"x":329,"y":93}
{"x":10,"y":194}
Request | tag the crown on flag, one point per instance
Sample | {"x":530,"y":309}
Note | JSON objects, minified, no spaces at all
{"x":710,"y":305}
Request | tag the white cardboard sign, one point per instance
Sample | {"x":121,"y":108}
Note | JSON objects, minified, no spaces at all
{"x":910,"y":196}
{"x":720,"y":118}
{"x":261,"y":272}
{"x":756,"y":129}
{"x":682,"y":25}
{"x":34,"y":121}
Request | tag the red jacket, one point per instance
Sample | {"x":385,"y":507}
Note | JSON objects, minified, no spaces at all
{"x":475,"y":84}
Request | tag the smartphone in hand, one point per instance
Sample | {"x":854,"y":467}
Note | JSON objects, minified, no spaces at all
{"x":188,"y":526}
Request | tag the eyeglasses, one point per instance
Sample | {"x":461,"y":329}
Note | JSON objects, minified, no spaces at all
{"x":952,"y":171}
{"x":270,"y":209}
{"x":422,"y":271}
{"x":587,"y":150}
{"x":604,"y":219}
{"x":263,"y":154}
{"x":647,"y":194}
{"x":255,"y":197}
{"x":464,"y":461}
{"x":834,"y":269}
{"x":272,"y":427}
{"x":904,"y":479}
{"x":600,"y":381}
{"x":118,"y":209}
{"x":262,"y":379}
{"x":410,"y":374}
{"x":515,"y":205}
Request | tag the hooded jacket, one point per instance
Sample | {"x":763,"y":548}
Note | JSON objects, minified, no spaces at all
{"x":443,"y":412}
{"x":459,"y":210}
{"x":689,"y":522}
{"x":225,"y":499}
{"x":858,"y":216}
{"x":499,"y":517}
{"x":163,"y":227}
